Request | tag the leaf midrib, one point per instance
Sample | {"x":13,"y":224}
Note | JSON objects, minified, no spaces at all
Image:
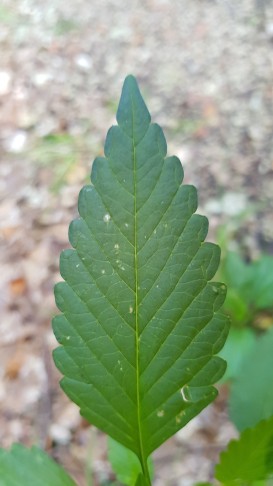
{"x":142,"y":457}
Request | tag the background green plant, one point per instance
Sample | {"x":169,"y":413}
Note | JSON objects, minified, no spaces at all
{"x":248,"y":350}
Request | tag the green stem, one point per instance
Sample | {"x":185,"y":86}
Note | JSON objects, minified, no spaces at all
{"x":146,"y":473}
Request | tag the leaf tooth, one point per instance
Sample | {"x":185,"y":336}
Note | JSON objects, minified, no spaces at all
{"x":177,"y":413}
{"x":182,"y":345}
{"x":96,"y":368}
{"x":169,"y":293}
{"x":72,"y":304}
{"x":99,"y":410}
{"x":92,"y":209}
{"x":88,"y":285}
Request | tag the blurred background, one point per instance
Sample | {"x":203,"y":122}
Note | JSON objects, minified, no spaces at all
{"x":205,"y":68}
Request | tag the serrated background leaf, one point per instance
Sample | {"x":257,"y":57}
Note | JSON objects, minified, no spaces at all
{"x":237,"y":346}
{"x":140,"y":325}
{"x":124,"y":463}
{"x":251,"y":393}
{"x":25,"y":467}
{"x":250,"y":458}
{"x":262,"y":283}
{"x":249,"y":286}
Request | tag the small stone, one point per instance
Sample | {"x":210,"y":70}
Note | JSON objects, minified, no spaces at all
{"x":84,"y":62}
{"x":42,"y":78}
{"x":60,"y":434}
{"x":31,"y":396}
{"x":5,"y":82}
{"x":269,"y":30}
{"x":70,"y":417}
{"x":16,"y":142}
{"x":231,"y":204}
{"x":234,"y":204}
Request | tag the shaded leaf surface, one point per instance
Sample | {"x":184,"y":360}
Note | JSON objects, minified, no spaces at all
{"x":237,"y":346}
{"x":24,"y":467}
{"x":250,"y":458}
{"x":140,"y":325}
{"x":251,"y":393}
{"x":249,"y":286}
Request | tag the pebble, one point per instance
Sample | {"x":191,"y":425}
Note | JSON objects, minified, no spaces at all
{"x":5,"y":82}
{"x":83,"y":62}
{"x":59,"y":434}
{"x":231,"y":204}
{"x":42,"y":78}
{"x":16,"y":142}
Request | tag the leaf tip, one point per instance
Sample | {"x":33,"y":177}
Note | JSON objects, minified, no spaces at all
{"x":133,"y":115}
{"x":130,"y":79}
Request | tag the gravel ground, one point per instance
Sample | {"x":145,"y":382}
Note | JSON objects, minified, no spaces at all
{"x":206,"y":69}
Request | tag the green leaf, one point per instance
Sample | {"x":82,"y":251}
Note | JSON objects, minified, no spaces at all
{"x":237,"y":346}
{"x":140,"y":326}
{"x":251,"y":394}
{"x":236,"y":272}
{"x":250,"y":458}
{"x":249,"y":286}
{"x":262,"y":283}
{"x":125,"y":463}
{"x":238,"y":308}
{"x":24,"y":467}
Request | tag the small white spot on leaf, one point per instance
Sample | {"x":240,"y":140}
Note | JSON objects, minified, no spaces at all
{"x":116,"y":246}
{"x":160,"y":413}
{"x":179,"y":417}
{"x":120,"y":365}
{"x":130,"y":310}
{"x":106,"y":218}
{"x":103,"y":271}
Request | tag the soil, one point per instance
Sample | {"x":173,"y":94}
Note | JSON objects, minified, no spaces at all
{"x":205,"y":68}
